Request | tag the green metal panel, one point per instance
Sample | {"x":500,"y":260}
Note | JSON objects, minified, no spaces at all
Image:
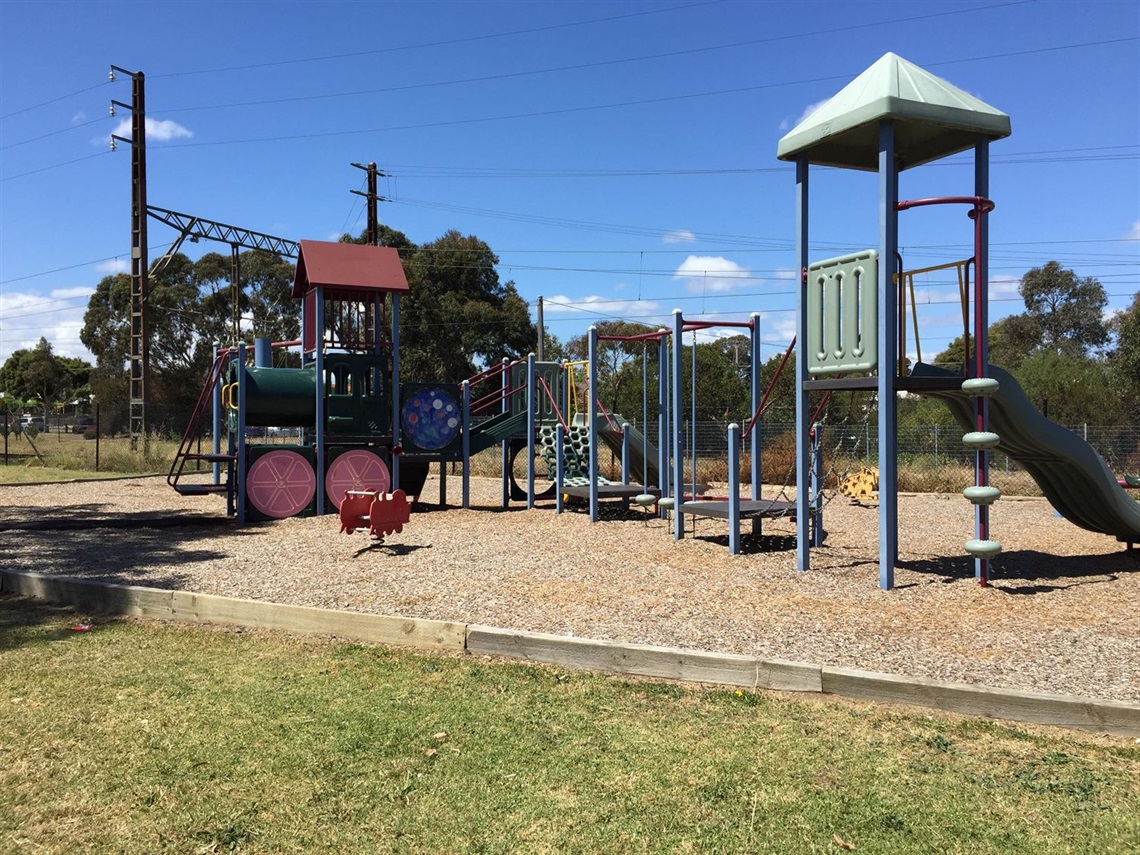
{"x":279,"y":396}
{"x":843,"y":314}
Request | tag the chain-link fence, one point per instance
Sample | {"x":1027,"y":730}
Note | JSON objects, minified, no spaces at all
{"x":931,"y":458}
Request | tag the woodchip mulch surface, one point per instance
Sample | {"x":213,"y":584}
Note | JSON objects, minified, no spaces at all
{"x":1060,"y":615}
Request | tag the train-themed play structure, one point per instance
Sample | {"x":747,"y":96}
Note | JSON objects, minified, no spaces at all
{"x":366,"y":437}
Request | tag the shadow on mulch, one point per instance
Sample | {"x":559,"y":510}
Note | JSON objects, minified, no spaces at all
{"x":90,"y":542}
{"x":1039,"y":572}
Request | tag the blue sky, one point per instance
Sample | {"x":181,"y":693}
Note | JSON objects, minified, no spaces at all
{"x":619,"y":157}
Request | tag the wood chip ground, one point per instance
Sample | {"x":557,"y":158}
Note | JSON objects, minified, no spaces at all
{"x":1060,"y":615}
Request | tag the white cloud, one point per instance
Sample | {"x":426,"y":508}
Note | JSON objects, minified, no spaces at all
{"x":1004,"y":286}
{"x":703,"y":274}
{"x":79,"y":118}
{"x":788,"y":124}
{"x":787,"y":274}
{"x":648,"y":312}
{"x":157,"y":130}
{"x":1134,"y":234}
{"x":678,"y":236}
{"x":113,"y":265}
{"x":56,"y":316}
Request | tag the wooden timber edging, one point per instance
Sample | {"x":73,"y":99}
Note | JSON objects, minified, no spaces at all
{"x":1118,"y":718}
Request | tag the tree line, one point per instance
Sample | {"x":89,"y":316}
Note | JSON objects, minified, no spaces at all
{"x":1075,"y":363}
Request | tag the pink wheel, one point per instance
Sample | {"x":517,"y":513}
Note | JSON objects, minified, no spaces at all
{"x":356,"y":470}
{"x":281,"y":484}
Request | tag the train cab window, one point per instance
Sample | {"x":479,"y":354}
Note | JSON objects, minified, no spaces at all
{"x":339,"y":381}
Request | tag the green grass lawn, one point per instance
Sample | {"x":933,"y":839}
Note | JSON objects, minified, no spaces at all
{"x":144,"y":737}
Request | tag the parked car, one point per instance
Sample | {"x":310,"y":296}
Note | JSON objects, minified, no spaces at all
{"x":83,"y":424}
{"x":32,"y":421}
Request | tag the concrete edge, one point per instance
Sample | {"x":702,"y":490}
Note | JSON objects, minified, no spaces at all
{"x":1118,"y":718}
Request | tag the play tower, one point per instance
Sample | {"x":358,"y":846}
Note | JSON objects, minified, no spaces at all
{"x":852,"y":319}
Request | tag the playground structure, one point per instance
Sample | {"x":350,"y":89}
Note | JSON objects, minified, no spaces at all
{"x":852,"y":311}
{"x":364,"y":431}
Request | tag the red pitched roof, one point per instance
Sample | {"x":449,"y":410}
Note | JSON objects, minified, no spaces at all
{"x":348,"y":269}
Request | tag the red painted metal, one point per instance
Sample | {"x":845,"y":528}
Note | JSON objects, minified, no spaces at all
{"x":355,"y":470}
{"x":382,"y":513}
{"x":347,"y":270}
{"x":771,"y":386}
{"x":280,"y":484}
{"x":553,"y":403}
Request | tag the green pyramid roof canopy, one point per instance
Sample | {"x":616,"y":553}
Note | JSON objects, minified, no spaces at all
{"x":932,"y":119}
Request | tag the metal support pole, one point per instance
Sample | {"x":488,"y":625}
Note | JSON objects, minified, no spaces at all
{"x":531,"y":400}
{"x":803,"y":413}
{"x":625,"y":463}
{"x":504,"y":446}
{"x":981,"y":346}
{"x":541,"y":333}
{"x":663,"y":420}
{"x":319,"y":402}
{"x":888,"y":356}
{"x":757,"y":395}
{"x":817,"y":484}
{"x":560,"y":466}
{"x":734,"y":488}
{"x":241,"y":450}
{"x":678,"y":426}
{"x":592,"y":420}
{"x":216,"y":415}
{"x":466,"y":444}
{"x":395,"y":392}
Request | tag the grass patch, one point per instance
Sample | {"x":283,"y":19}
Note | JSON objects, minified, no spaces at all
{"x":153,"y":738}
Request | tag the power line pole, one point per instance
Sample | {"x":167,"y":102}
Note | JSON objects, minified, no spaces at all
{"x":139,"y":356}
{"x":373,"y":235}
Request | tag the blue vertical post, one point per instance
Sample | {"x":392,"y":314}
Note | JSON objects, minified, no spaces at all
{"x":817,"y":484}
{"x":982,"y":343}
{"x":663,"y":419}
{"x":395,"y":391}
{"x":241,"y":450}
{"x":678,"y":426}
{"x":559,"y":466}
{"x":757,"y":394}
{"x":505,"y":445}
{"x":888,"y":356}
{"x":592,"y":419}
{"x":466,"y":387}
{"x":734,"y":488}
{"x":803,"y":452}
{"x":216,"y":416}
{"x":530,"y":402}
{"x":319,"y":392}
{"x":263,"y":352}
{"x":625,"y":462}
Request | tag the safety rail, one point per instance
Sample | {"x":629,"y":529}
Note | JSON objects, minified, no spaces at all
{"x":193,"y":431}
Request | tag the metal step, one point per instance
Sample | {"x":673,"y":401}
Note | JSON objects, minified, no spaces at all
{"x":200,"y":489}
{"x":211,"y":458}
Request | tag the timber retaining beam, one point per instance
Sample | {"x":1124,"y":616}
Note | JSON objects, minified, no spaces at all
{"x":1119,"y":718}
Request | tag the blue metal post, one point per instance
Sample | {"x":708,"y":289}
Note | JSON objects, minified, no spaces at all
{"x":678,"y":425}
{"x":803,"y":452}
{"x":241,"y":450}
{"x":734,"y":488}
{"x":982,"y":343}
{"x":216,"y":416}
{"x":466,"y":444}
{"x":395,"y":391}
{"x":559,"y":466}
{"x":757,"y":393}
{"x":663,"y":443}
{"x":319,"y":392}
{"x":888,"y":356}
{"x":505,"y":446}
{"x":592,"y":419}
{"x":530,"y":402}
{"x":817,"y":484}
{"x":263,"y":352}
{"x":625,"y":462}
